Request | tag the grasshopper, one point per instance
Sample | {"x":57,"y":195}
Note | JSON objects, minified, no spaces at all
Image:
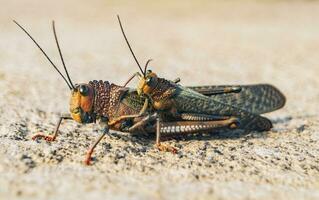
{"x":175,"y":109}
{"x":244,"y":103}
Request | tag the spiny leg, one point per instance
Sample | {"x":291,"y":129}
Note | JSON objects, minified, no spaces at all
{"x":183,"y":127}
{"x":89,"y":153}
{"x":51,"y":138}
{"x":189,"y":127}
{"x":201,"y":117}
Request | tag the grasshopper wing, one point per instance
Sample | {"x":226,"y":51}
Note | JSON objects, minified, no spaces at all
{"x":189,"y":101}
{"x":257,"y":99}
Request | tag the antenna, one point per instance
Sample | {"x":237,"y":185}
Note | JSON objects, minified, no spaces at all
{"x":145,"y":68}
{"x":128,"y":44}
{"x":57,"y":43}
{"x":44,"y":53}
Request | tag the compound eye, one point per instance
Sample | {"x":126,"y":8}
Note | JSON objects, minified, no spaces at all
{"x":148,"y":71}
{"x":149,"y":80}
{"x":84,"y":90}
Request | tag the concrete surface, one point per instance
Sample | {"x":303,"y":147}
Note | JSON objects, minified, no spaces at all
{"x":202,"y":43}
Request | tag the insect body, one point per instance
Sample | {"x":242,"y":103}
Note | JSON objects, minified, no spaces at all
{"x":114,"y":107}
{"x":162,"y":106}
{"x":246,"y":103}
{"x":207,"y":103}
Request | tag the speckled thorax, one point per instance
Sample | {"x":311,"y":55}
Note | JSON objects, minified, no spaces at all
{"x":107,"y":98}
{"x":164,"y":90}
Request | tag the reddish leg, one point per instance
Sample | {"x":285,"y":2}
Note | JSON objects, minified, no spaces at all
{"x":51,"y":138}
{"x":89,"y":153}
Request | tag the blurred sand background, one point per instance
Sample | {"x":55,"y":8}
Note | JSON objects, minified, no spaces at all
{"x":202,"y":42}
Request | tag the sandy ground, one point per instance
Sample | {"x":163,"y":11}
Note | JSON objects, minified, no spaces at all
{"x":202,"y":43}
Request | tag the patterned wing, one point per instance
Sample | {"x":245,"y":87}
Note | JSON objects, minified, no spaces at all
{"x":189,"y":101}
{"x":258,"y":99}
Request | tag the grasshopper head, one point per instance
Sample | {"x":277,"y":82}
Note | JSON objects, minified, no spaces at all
{"x":81,"y":103}
{"x":82,"y":95}
{"x":148,"y":83}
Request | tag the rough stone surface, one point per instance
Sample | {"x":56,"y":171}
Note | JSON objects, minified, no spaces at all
{"x":202,"y":43}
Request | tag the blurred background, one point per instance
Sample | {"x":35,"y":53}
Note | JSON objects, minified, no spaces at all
{"x":202,"y":42}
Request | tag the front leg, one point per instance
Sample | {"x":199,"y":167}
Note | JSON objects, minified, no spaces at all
{"x":51,"y":138}
{"x":89,"y":153}
{"x":131,"y":78}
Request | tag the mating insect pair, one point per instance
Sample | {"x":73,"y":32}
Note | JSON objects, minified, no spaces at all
{"x":165,"y":107}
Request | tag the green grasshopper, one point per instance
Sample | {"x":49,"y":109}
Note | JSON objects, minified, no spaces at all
{"x":189,"y":109}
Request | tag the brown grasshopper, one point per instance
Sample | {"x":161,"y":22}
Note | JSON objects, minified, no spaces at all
{"x":244,"y":103}
{"x":124,"y":109}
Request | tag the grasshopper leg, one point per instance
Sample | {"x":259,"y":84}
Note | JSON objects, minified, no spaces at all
{"x":189,"y":127}
{"x":89,"y":153}
{"x":141,"y":124}
{"x":118,"y":119}
{"x":158,"y":144}
{"x":51,"y":138}
{"x":131,"y":78}
{"x":183,"y":127}
{"x":201,"y":117}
